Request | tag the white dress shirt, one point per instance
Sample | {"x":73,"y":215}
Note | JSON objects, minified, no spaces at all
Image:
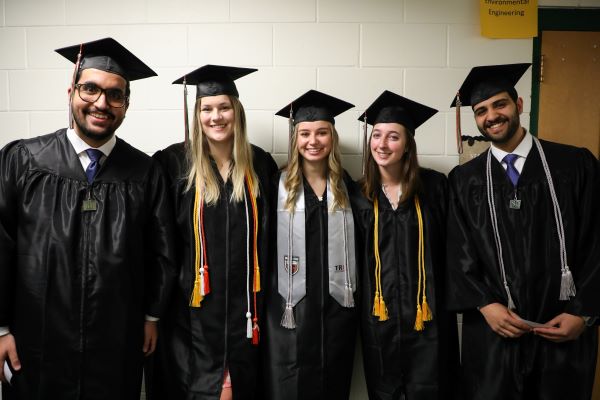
{"x":522,"y":150}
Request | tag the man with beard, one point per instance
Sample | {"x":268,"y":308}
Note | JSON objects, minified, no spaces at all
{"x":85,"y":259}
{"x":523,"y":253}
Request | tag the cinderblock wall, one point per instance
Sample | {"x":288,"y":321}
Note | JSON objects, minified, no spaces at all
{"x":353,"y":49}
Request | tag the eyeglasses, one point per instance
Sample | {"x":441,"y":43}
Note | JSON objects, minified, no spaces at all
{"x":90,"y":93}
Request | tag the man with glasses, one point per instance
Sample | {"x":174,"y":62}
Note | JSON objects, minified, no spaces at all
{"x":85,"y":259}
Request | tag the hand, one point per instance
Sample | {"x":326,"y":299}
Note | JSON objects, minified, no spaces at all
{"x":503,"y":321}
{"x":562,"y":328}
{"x":8,"y":349}
{"x":150,"y":337}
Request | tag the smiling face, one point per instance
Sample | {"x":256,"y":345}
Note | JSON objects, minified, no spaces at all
{"x":388,"y":144}
{"x":497,"y":118}
{"x":217,"y":118}
{"x":96,"y":122}
{"x":314,"y":140}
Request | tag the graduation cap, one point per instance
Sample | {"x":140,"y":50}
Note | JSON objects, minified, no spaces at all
{"x":210,"y":80}
{"x":391,"y":107}
{"x":312,"y":106}
{"x":106,"y":55}
{"x":214,"y":80}
{"x":484,"y":82}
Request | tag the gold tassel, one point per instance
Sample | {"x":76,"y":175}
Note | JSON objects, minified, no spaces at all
{"x":427,"y":316}
{"x":197,"y":298}
{"x":419,"y":320}
{"x":383,"y":311}
{"x":376,"y":305}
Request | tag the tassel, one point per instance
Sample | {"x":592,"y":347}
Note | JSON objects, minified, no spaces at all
{"x":567,"y":285}
{"x":348,"y":296}
{"x":419,"y":320}
{"x":427,"y":316}
{"x":205,"y":280}
{"x":249,"y":325}
{"x":376,"y":306}
{"x":287,"y":320}
{"x":255,"y":333}
{"x":511,"y":303}
{"x":196,"y":295}
{"x":383,"y":312}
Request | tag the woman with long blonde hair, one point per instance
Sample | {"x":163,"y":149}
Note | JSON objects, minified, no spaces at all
{"x":311,"y":319}
{"x":219,"y":186}
{"x":409,"y":340}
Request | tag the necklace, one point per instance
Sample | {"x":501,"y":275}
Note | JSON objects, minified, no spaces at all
{"x":393,"y":203}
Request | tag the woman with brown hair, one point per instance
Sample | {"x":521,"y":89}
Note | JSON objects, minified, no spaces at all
{"x":409,"y":341}
{"x":311,"y":318}
{"x":219,"y":184}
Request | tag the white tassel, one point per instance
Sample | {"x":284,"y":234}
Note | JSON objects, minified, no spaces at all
{"x":511,"y":303}
{"x":249,"y":325}
{"x":348,"y":297}
{"x":287,"y":320}
{"x":567,"y":285}
{"x":202,"y":288}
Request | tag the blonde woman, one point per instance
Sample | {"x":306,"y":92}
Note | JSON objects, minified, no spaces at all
{"x":311,"y":295}
{"x":210,"y":336}
{"x":409,"y":341}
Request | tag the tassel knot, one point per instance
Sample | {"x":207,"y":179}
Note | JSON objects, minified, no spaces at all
{"x":419,"y":319}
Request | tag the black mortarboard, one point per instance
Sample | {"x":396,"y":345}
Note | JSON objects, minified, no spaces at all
{"x":390,"y":107}
{"x":106,"y":55}
{"x":314,"y":106}
{"x":214,"y":80}
{"x":486,"y":81}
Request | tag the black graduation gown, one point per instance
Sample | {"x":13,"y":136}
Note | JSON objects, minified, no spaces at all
{"x":398,"y":359}
{"x":314,"y":360}
{"x":74,"y":286}
{"x":531,"y":366}
{"x":197,"y":344}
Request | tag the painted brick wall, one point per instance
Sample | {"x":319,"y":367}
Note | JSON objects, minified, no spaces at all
{"x":353,"y":49}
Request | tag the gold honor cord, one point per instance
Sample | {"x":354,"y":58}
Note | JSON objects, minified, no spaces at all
{"x":379,"y":308}
{"x":197,"y":298}
{"x":423,"y":311}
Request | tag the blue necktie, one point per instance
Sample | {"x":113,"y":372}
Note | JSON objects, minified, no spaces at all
{"x":94,"y":167}
{"x":511,"y":171}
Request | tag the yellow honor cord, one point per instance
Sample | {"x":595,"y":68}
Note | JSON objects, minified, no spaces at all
{"x":423,"y":310}
{"x":196,"y":298}
{"x":250,"y":183}
{"x":379,"y":307}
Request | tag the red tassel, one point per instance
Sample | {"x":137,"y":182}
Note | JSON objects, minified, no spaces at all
{"x":206,"y":281}
{"x":255,"y":333}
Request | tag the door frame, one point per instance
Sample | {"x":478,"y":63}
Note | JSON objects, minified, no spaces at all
{"x":556,"y":19}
